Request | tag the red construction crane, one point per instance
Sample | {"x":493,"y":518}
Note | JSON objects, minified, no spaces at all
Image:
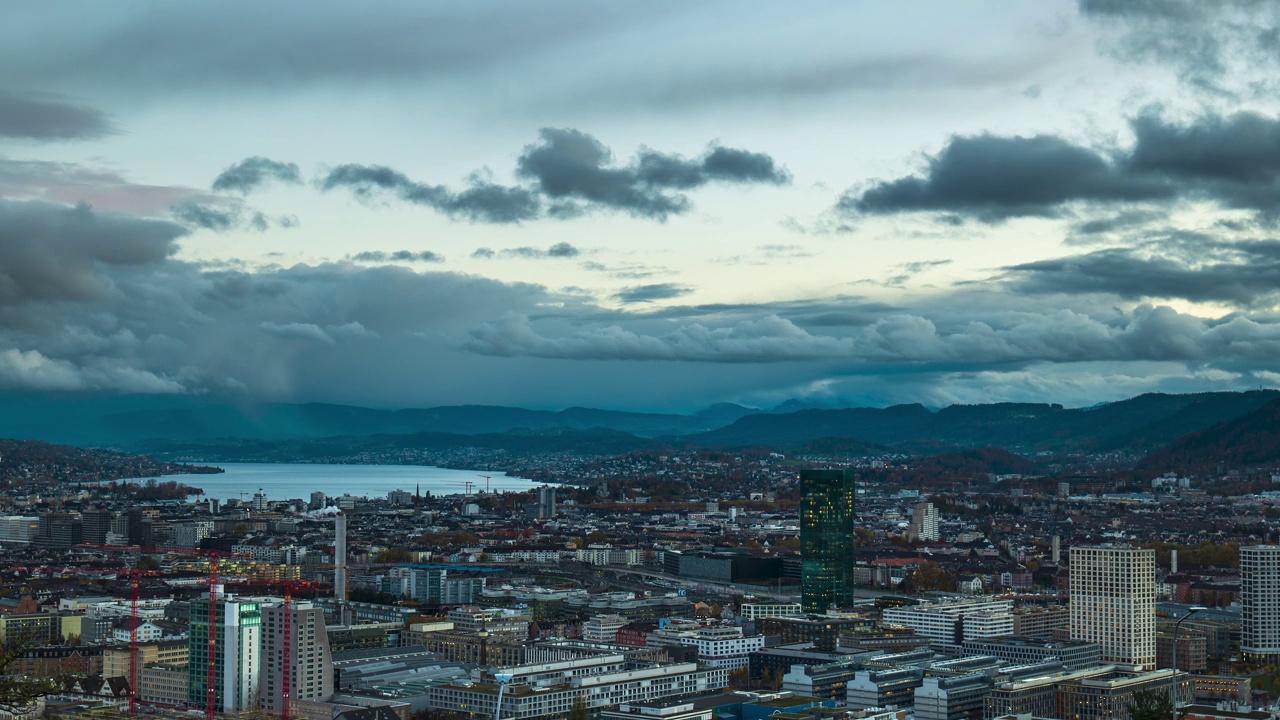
{"x":133,"y":643}
{"x":210,"y":709}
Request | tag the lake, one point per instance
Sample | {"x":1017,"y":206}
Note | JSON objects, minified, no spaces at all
{"x":286,"y":481}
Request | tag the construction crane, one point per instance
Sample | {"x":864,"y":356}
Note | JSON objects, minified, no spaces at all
{"x":210,"y":709}
{"x":486,"y":481}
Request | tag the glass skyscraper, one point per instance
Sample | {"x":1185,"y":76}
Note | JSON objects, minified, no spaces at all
{"x":826,"y":539}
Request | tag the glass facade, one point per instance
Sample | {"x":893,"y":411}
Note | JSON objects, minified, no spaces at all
{"x":826,"y":539}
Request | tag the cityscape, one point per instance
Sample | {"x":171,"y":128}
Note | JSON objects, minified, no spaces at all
{"x":573,"y":360}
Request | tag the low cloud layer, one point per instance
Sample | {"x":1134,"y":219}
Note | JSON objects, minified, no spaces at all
{"x":97,"y":301}
{"x":1241,"y":274}
{"x":570,"y":173}
{"x":1233,"y":161}
{"x":33,"y":116}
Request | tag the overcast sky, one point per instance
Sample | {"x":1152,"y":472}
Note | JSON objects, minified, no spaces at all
{"x":647,"y":205}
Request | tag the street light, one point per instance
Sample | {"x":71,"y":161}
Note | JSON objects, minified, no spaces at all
{"x":1173,"y":673}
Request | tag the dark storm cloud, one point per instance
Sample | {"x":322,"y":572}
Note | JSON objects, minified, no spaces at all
{"x":32,"y":116}
{"x":96,"y":301}
{"x":568,"y":164}
{"x":570,"y":173}
{"x":993,"y":178}
{"x":1224,"y":47}
{"x":52,"y":252}
{"x":911,"y":343}
{"x":480,"y":202}
{"x":252,"y":173}
{"x":1243,"y":273}
{"x":379,"y":256}
{"x":1233,"y":161}
{"x":651,"y":292}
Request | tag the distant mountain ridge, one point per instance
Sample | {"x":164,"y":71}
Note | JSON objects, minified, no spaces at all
{"x":125,"y":422}
{"x":1137,"y":425}
{"x":1252,"y":439}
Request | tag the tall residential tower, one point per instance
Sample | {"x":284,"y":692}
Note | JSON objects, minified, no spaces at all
{"x":1113,"y":603}
{"x":827,"y":539}
{"x":1260,"y":603}
{"x":307,"y":652}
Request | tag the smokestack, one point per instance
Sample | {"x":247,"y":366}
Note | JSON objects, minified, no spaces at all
{"x":1057,"y":550}
{"x":1173,"y":562}
{"x":340,"y":557}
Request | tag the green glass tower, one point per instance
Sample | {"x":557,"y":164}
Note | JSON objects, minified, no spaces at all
{"x":826,"y":539}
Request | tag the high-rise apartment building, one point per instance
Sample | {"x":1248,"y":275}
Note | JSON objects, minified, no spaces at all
{"x":237,"y":653}
{"x":1113,"y":603}
{"x":546,"y":506}
{"x":1260,"y":603}
{"x":924,"y":522}
{"x":307,"y":652}
{"x":826,"y":539}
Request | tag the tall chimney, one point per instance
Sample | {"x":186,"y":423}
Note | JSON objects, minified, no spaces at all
{"x":1173,"y":562}
{"x":1057,"y":550}
{"x":340,"y":557}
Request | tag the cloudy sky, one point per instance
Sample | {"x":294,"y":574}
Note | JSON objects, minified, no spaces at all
{"x":649,"y":205}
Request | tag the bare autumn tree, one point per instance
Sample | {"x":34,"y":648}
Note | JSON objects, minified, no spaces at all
{"x":21,"y":693}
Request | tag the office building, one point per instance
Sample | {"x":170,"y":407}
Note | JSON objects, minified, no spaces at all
{"x":827,"y":544}
{"x":550,"y":689}
{"x":883,"y":687}
{"x":1033,"y":689}
{"x":1041,"y":621}
{"x":959,"y":697}
{"x":546,"y":505}
{"x":95,"y":524}
{"x":433,"y":585}
{"x":924,"y":523}
{"x":306,"y":652}
{"x":59,"y":530}
{"x":18,"y":529}
{"x":237,"y":653}
{"x":1260,"y":603}
{"x":1107,"y":697}
{"x":1112,"y":601}
{"x":954,"y":621}
{"x":1074,"y":655}
{"x":756,"y":611}
{"x":603,"y":629}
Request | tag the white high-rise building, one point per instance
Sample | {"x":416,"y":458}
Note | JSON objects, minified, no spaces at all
{"x":924,"y":523}
{"x":1260,"y":603}
{"x":1113,"y":603}
{"x":310,"y":662}
{"x":237,"y":653}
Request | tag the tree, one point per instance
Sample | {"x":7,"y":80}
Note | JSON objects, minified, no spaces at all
{"x":578,"y":711}
{"x":146,"y":563}
{"x":1150,"y":705}
{"x":22,"y":693}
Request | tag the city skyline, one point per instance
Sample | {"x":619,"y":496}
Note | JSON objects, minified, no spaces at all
{"x":652,"y":207}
